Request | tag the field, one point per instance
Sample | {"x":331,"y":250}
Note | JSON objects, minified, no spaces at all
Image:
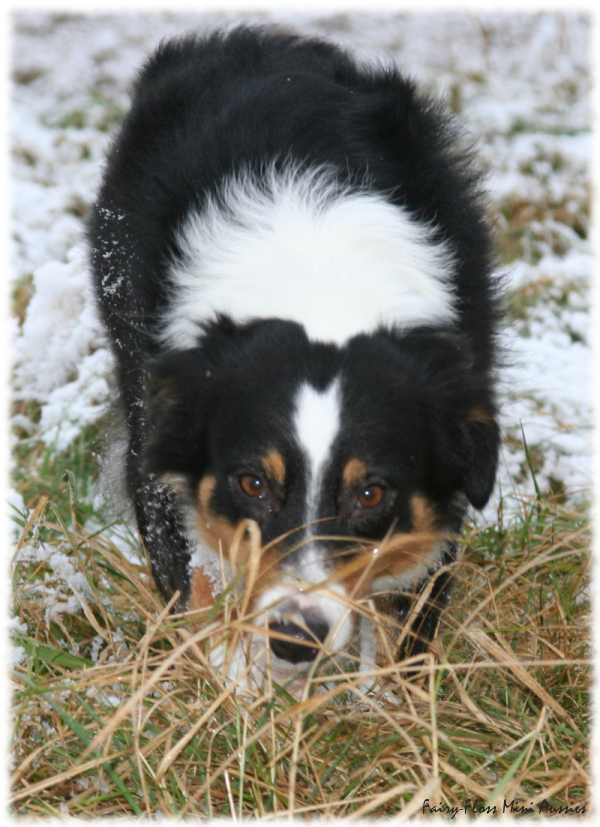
{"x":115,"y":709}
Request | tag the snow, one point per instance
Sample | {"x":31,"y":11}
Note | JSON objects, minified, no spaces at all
{"x":521,"y":83}
{"x":63,"y":590}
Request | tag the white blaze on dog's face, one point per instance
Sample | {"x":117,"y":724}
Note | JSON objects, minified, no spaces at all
{"x":316,"y":426}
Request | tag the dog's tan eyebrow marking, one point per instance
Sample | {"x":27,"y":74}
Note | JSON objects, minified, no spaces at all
{"x":274,"y":466}
{"x":355,"y":471}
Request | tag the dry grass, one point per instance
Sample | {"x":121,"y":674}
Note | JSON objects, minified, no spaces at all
{"x":117,"y":712}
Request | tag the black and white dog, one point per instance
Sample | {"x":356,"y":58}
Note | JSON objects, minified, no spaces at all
{"x":293,"y":264}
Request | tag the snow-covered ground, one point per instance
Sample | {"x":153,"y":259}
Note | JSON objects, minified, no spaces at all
{"x":521,"y":83}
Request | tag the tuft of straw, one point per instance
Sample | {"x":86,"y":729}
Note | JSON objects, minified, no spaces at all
{"x":118,"y":711}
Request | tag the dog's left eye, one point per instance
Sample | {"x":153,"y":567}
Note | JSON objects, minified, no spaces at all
{"x":370,"y":496}
{"x":253,"y":486}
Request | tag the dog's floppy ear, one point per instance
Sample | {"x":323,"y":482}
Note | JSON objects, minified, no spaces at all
{"x":482,"y":439}
{"x":178,"y":398}
{"x":466,"y":436}
{"x":466,"y":447}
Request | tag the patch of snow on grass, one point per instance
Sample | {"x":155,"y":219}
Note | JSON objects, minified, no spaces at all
{"x":520,"y":82}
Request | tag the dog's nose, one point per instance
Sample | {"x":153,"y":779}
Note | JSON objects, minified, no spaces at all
{"x":302,"y":642}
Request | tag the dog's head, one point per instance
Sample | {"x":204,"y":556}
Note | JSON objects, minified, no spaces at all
{"x":354,"y":462}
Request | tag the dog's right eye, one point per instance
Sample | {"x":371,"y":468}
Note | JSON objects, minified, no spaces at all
{"x":253,"y":486}
{"x":370,"y":496}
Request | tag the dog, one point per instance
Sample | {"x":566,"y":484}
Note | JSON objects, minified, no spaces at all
{"x":294,"y":267}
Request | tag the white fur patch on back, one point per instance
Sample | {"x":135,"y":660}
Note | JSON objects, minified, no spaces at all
{"x":297,"y":246}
